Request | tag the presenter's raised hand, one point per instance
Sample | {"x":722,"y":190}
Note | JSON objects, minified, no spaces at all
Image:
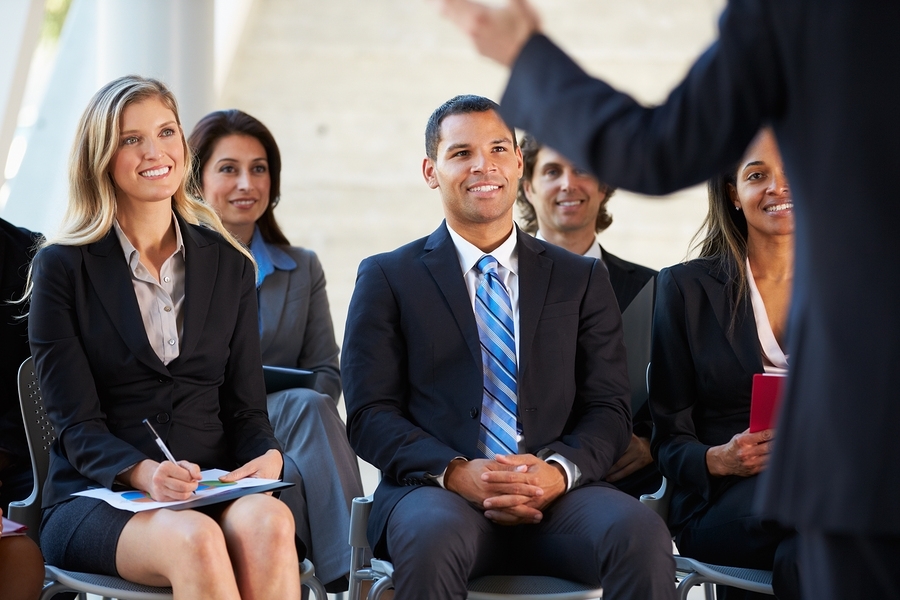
{"x":267,"y":466}
{"x":498,"y":33}
{"x":744,"y":455}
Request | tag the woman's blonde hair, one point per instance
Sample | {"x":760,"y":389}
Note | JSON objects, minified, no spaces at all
{"x":92,"y":194}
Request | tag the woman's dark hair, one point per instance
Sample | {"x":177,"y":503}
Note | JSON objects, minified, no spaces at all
{"x":221,"y":123}
{"x":530,"y":148}
{"x":723,"y":236}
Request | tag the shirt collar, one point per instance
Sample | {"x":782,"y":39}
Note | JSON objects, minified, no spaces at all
{"x":593,"y":251}
{"x":469,"y":254}
{"x":268,"y":257}
{"x":131,"y":253}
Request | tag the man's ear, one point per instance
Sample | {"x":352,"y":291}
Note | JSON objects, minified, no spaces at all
{"x":520,"y":160}
{"x":428,"y":172}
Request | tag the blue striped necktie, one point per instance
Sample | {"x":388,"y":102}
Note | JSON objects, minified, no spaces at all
{"x":493,"y":314}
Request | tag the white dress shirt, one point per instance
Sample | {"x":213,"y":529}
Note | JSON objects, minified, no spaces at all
{"x":507,"y":256}
{"x":774,"y":358}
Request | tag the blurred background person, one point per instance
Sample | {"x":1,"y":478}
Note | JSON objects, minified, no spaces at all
{"x":720,"y":319}
{"x":238,"y":172}
{"x":567,"y":206}
{"x":16,"y":245}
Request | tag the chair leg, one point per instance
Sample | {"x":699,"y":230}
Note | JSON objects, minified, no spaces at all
{"x":684,"y":587}
{"x":316,"y":588}
{"x":379,"y":587}
{"x":710,"y":590}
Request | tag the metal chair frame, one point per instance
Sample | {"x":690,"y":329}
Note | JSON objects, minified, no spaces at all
{"x":700,"y":573}
{"x":40,"y":434}
{"x":519,"y":587}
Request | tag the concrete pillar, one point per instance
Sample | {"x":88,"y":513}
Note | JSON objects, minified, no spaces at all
{"x":103,"y":39}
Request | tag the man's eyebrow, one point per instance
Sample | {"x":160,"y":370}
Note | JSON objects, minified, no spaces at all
{"x":504,"y":140}
{"x":457,"y":146}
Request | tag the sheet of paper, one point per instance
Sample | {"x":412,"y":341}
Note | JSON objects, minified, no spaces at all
{"x":11,"y":528}
{"x":136,"y":501}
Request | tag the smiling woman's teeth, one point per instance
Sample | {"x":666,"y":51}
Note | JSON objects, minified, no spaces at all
{"x":156,"y":172}
{"x":780,"y":207}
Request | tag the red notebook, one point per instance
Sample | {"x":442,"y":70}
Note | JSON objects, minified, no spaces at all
{"x":764,"y":400}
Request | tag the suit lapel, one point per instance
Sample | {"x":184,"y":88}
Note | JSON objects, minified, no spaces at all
{"x":111,"y":279}
{"x":272,"y":296}
{"x":744,"y":339}
{"x":201,"y":264}
{"x":443,"y":263}
{"x":534,"y":281}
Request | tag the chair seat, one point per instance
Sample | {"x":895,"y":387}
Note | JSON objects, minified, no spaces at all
{"x":104,"y":585}
{"x":754,"y":580}
{"x":529,"y":587}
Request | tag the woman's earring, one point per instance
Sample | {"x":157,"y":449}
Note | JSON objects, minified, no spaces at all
{"x":737,"y":207}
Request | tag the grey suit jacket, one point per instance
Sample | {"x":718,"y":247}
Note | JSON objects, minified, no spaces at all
{"x":296,"y":321}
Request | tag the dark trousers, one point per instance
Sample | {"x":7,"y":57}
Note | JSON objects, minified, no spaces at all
{"x":594,"y":534}
{"x":729,"y":533}
{"x":849,"y":566}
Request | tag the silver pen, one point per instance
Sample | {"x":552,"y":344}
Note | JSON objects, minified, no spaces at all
{"x":159,"y":442}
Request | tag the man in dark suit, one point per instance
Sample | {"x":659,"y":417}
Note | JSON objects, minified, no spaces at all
{"x":567,"y":206}
{"x":825,"y":75}
{"x":16,"y":244}
{"x":484,"y":374}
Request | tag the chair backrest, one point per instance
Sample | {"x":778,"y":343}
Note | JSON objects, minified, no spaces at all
{"x":659,"y":500}
{"x":40,"y":435}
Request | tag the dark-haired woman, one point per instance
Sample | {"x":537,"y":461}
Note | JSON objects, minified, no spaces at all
{"x":719,"y":320}
{"x":238,"y":171}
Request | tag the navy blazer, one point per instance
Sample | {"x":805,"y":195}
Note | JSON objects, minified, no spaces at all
{"x":412,"y":371}
{"x":627,"y":278}
{"x":704,"y":357}
{"x":100,"y":377}
{"x":825,"y":75}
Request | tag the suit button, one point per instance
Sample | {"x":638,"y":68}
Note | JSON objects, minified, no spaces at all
{"x":474,"y":412}
{"x":164,"y":380}
{"x":162,"y":417}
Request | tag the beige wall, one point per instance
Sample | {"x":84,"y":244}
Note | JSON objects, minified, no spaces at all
{"x":347,"y":85}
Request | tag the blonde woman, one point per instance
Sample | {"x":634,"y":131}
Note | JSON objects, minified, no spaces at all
{"x":143,"y":306}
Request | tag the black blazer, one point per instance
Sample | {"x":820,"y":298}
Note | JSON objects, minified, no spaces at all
{"x":411,"y":364}
{"x":627,"y":278}
{"x":100,"y":377}
{"x":700,"y":382}
{"x":825,"y":74}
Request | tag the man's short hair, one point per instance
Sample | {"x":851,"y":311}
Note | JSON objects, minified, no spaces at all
{"x":458,"y":105}
{"x":528,"y":218}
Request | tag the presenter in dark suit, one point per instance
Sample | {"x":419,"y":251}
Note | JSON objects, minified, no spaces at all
{"x":720,"y":319}
{"x":238,"y":166}
{"x":567,"y":206}
{"x":432,"y":353}
{"x":16,"y":246}
{"x":143,"y":306}
{"x":824,"y":73}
